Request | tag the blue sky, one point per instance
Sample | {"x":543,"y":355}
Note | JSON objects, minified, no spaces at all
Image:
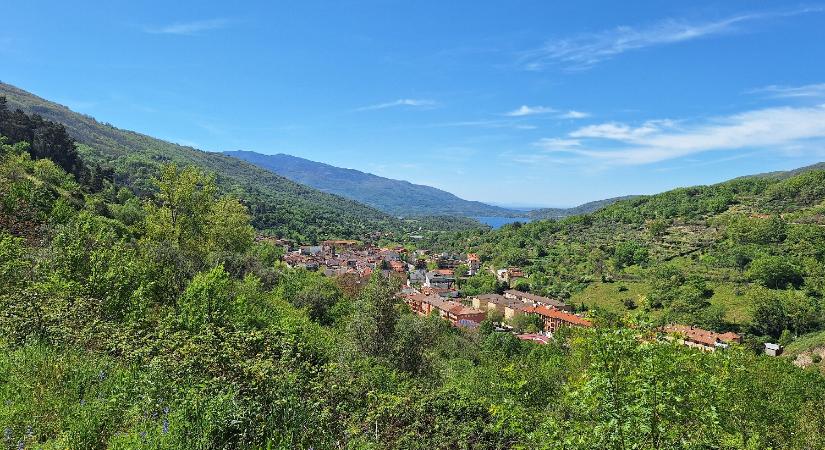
{"x":512,"y":102}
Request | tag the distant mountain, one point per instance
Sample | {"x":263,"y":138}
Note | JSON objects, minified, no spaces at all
{"x":278,"y":204}
{"x":782,"y":174}
{"x":397,"y":197}
{"x":586,"y":208}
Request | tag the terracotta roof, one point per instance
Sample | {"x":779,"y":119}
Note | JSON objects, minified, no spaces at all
{"x":444,"y":305}
{"x":561,"y":315}
{"x":705,"y":337}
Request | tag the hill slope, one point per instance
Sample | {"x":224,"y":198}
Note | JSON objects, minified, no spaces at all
{"x":584,"y":208}
{"x":719,"y":256}
{"x":277,"y":204}
{"x":396,"y":197}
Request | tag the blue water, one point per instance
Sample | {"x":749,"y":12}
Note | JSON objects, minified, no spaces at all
{"x":498,"y":222}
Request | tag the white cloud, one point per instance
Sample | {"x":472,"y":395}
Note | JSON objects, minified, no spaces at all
{"x":412,"y":102}
{"x":553,"y":144}
{"x":586,"y":50}
{"x":572,"y":114}
{"x":806,"y":91}
{"x":525,"y":110}
{"x":777,"y":128}
{"x":189,"y":28}
{"x":620,"y":131}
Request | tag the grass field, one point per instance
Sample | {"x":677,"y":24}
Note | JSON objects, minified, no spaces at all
{"x":612,"y":296}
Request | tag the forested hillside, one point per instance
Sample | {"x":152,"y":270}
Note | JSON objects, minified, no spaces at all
{"x":584,"y":208}
{"x":160,"y":323}
{"x":278,"y":205}
{"x":745,"y":255}
{"x":396,"y":197}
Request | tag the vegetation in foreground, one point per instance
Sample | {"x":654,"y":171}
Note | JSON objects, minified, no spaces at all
{"x":161,"y":323}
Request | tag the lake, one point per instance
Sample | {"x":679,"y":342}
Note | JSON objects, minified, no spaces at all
{"x":498,"y":222}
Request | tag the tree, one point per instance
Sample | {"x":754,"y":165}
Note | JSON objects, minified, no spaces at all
{"x":187,"y":215}
{"x":372,"y":326}
{"x":527,"y":323}
{"x":769,"y":317}
{"x":14,"y":265}
{"x":481,"y":283}
{"x":414,"y":342}
{"x":657,"y":228}
{"x":228,"y":226}
{"x":775,"y":272}
{"x":318,"y":297}
{"x":207,"y":299}
{"x":180,"y":212}
{"x":751,"y":230}
{"x":629,"y":253}
{"x":665,"y":283}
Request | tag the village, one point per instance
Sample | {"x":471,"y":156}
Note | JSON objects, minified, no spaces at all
{"x":430,"y":286}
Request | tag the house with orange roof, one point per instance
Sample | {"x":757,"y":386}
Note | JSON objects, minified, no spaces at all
{"x":555,"y":319}
{"x":473,"y":264}
{"x":452,"y":311}
{"x":701,"y":339}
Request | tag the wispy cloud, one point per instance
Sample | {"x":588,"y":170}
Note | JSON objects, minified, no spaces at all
{"x":780,"y":128}
{"x":586,"y":50}
{"x":553,"y":144}
{"x":515,"y":124}
{"x":525,"y":110}
{"x":190,"y":28}
{"x":572,"y":114}
{"x":408,"y":102}
{"x":780,"y":91}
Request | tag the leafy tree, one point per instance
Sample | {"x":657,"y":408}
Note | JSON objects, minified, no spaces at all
{"x":775,"y":272}
{"x":180,"y":213}
{"x":629,"y":253}
{"x":657,"y":228}
{"x":665,"y":283}
{"x":528,"y":323}
{"x":207,"y":299}
{"x":372,"y":326}
{"x":768,"y":313}
{"x":749,"y":230}
{"x":318,"y":297}
{"x":414,"y":342}
{"x":481,"y":283}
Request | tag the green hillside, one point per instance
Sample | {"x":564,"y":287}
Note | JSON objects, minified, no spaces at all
{"x":747,"y":255}
{"x":396,"y":197}
{"x":160,"y":323}
{"x":278,"y":205}
{"x":584,"y":208}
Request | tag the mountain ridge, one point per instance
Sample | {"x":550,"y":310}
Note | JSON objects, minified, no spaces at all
{"x":278,"y":205}
{"x":584,"y":208}
{"x":393,"y":196}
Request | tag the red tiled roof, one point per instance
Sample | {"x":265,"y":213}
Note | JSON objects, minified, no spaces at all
{"x":561,"y":315}
{"x":705,"y":337}
{"x":444,"y":305}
